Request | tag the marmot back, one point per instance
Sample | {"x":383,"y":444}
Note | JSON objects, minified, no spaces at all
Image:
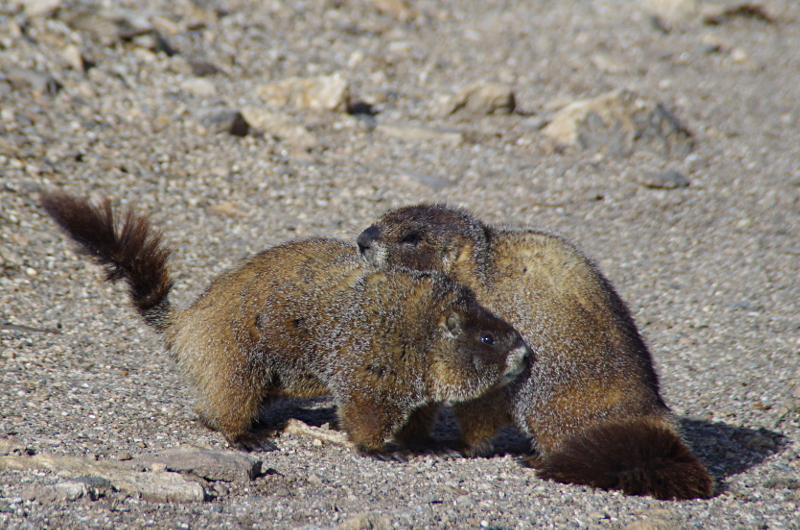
{"x":592,"y":401}
{"x":303,"y":319}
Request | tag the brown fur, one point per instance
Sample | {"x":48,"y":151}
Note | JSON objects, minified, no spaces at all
{"x":303,"y":319}
{"x":594,"y":375}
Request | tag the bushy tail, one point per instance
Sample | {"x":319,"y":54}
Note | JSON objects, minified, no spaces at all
{"x":637,"y":457}
{"x":127,"y":248}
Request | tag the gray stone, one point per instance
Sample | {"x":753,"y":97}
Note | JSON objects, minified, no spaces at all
{"x":617,"y":123}
{"x":668,"y":179}
{"x":39,"y":82}
{"x":223,"y":119}
{"x":159,"y":486}
{"x":533,"y":123}
{"x":110,"y":25}
{"x":228,"y":466}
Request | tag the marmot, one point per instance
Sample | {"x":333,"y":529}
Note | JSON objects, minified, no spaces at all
{"x":591,"y":402}
{"x":303,"y":319}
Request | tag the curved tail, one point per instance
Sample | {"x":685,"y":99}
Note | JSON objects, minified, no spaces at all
{"x":127,"y":248}
{"x":637,"y":457}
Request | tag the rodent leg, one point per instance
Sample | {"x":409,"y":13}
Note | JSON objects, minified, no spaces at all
{"x":231,"y":407}
{"x":480,"y":419}
{"x":415,"y":435}
{"x":369,"y":424}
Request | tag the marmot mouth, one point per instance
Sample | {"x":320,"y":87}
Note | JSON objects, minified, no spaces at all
{"x":516,"y":363}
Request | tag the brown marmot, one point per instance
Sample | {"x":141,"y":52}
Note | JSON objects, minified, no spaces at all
{"x":592,"y":402}
{"x":306,"y":318}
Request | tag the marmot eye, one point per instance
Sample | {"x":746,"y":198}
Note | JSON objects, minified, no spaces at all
{"x":411,"y":239}
{"x":487,"y":338}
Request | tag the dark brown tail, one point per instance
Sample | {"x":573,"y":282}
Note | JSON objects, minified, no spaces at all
{"x":639,"y":458}
{"x":127,"y":248}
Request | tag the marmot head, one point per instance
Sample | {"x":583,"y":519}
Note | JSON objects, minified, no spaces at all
{"x":431,"y":237}
{"x":478,"y":351}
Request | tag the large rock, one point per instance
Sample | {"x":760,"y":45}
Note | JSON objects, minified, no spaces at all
{"x":331,"y":92}
{"x":617,"y":123}
{"x":485,"y":98}
{"x":156,"y":486}
{"x":227,"y":466}
{"x":35,"y":8}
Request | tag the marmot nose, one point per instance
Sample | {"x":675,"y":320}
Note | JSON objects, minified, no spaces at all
{"x":366,"y":238}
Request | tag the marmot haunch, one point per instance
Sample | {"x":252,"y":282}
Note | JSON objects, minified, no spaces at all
{"x":303,"y":319}
{"x":592,"y":401}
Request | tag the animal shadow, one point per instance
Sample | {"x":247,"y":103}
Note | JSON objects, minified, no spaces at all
{"x":727,"y":450}
{"x":311,"y":411}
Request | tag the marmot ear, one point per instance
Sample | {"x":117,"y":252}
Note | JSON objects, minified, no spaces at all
{"x":452,"y":325}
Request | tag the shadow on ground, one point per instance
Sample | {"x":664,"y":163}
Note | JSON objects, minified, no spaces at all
{"x":728,"y":450}
{"x":312,"y":411}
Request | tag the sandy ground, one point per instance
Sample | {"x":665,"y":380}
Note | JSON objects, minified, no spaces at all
{"x":121,"y":99}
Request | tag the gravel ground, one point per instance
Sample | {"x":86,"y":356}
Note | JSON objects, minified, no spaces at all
{"x":124,"y":99}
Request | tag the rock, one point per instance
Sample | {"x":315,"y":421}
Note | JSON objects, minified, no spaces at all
{"x":93,"y":24}
{"x":70,"y":490}
{"x":227,"y":209}
{"x":112,"y":25}
{"x":533,"y":123}
{"x":72,"y":54}
{"x":485,"y":98}
{"x":739,"y":55}
{"x":223,"y":119}
{"x":198,"y":87}
{"x":330,"y":92}
{"x":299,"y":428}
{"x":228,"y":466}
{"x":616,"y":124}
{"x":36,"y":8}
{"x":39,"y":82}
{"x":415,"y":133}
{"x":152,"y":486}
{"x":281,"y":126}
{"x":668,"y":179}
{"x":366,"y":521}
{"x":203,"y":68}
